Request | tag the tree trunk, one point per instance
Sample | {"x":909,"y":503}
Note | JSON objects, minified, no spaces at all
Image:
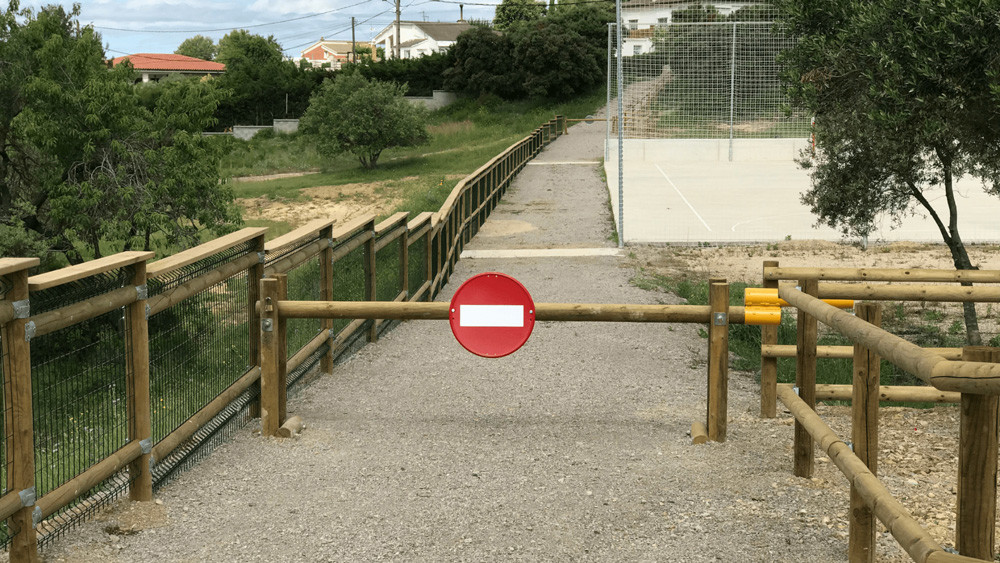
{"x":959,"y":254}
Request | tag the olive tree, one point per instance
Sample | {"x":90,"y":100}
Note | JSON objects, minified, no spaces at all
{"x":363,"y":117}
{"x":906,"y":95}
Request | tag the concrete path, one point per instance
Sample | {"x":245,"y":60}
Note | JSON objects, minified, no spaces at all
{"x":573,"y":448}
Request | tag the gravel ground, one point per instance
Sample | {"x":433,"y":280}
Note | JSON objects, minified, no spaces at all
{"x":574,"y":448}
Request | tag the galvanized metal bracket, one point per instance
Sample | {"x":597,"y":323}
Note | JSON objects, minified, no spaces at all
{"x":22,"y":309}
{"x":149,"y":311}
{"x":36,"y":516}
{"x":146,"y":445}
{"x":27,"y":496}
{"x":796,"y":390}
{"x":261,"y":257}
{"x":719,"y":319}
{"x":849,"y":445}
{"x":266,"y":325}
{"x":142,"y":292}
{"x":330,"y":242}
{"x":29,"y":331}
{"x":333,"y":333}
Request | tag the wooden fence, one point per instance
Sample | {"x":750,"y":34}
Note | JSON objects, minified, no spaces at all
{"x":398,"y":259}
{"x":969,"y":376}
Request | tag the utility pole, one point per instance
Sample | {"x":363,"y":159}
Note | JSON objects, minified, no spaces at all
{"x":397,"y":30}
{"x":354,"y":48}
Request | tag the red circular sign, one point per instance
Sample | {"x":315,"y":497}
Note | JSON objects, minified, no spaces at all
{"x":492,"y":315}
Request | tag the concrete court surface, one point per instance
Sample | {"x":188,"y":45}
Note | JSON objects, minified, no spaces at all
{"x":689,"y":197}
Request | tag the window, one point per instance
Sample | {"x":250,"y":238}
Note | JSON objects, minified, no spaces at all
{"x":663,"y":21}
{"x":637,"y":50}
{"x":633,"y":24}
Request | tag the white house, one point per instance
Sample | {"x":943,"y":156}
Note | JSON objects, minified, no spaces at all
{"x":417,"y":38}
{"x":640,"y":17}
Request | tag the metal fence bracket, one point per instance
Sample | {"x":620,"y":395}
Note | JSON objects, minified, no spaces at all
{"x":36,"y":516}
{"x":719,"y":319}
{"x":142,"y":292}
{"x":266,"y":325}
{"x":261,"y":257}
{"x":849,"y":445}
{"x":149,"y":311}
{"x":146,"y":445}
{"x":29,"y":331}
{"x":22,"y":309}
{"x":796,"y":390}
{"x":27,"y":496}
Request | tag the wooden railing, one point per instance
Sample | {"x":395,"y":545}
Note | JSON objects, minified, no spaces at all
{"x":433,"y":240}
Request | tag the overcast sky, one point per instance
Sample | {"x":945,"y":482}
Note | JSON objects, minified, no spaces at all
{"x":159,"y":26}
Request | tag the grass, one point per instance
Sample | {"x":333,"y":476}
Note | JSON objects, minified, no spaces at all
{"x":464,"y":136}
{"x":744,"y":341}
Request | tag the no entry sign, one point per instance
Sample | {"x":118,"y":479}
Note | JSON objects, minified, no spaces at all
{"x":492,"y":315}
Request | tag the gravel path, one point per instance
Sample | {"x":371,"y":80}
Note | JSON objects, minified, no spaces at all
{"x":574,"y":448}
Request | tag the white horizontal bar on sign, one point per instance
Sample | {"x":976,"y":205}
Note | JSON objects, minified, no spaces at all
{"x":541,"y":253}
{"x":491,"y":315}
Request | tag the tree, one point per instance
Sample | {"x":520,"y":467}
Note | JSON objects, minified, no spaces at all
{"x":906,"y":95}
{"x":556,"y":62}
{"x":363,"y":117}
{"x":199,"y":47}
{"x":510,"y":13}
{"x":484,"y":64}
{"x":85,"y":166}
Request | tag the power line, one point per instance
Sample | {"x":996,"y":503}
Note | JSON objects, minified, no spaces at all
{"x":338,"y":31}
{"x":231,"y":27}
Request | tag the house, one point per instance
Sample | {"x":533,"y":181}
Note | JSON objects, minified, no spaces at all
{"x":417,"y":39}
{"x":154,"y":66}
{"x":330,"y":52}
{"x":640,"y":18}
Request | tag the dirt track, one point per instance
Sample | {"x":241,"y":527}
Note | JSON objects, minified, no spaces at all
{"x":574,"y":448}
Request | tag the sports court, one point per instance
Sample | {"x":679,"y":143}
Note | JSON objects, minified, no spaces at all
{"x":687,"y":191}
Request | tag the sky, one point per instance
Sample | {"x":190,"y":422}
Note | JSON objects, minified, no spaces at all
{"x":159,"y":26}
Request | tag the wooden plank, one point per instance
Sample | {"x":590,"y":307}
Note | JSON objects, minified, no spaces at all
{"x":805,"y":379}
{"x":295,"y":259}
{"x":370,"y":279}
{"x":899,"y":393}
{"x":255,"y":272}
{"x":51,"y":321}
{"x":391,"y":223}
{"x":844,"y":352}
{"x":140,"y":425}
{"x":325,"y":294}
{"x":718,"y":362}
{"x":420,"y":225}
{"x":768,"y":365}
{"x":883,"y":274}
{"x":389,"y":237}
{"x":699,"y":434}
{"x":11,"y":265}
{"x":910,"y":292}
{"x":202,"y":251}
{"x":18,"y":417}
{"x":306,"y":232}
{"x":342,"y":249}
{"x":864,"y":435}
{"x":86,"y":269}
{"x":977,"y":466}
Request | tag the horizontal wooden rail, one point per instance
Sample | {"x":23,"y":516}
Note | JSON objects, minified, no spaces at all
{"x":72,"y":489}
{"x":308,"y":231}
{"x":9,"y":504}
{"x":295,"y":259}
{"x":845,"y":352}
{"x":307,"y":350}
{"x":882,"y":275}
{"x":167,"y":299}
{"x":419,"y":295}
{"x":900,"y":393}
{"x":900,"y":523}
{"x":599,"y":312}
{"x":910,"y":292}
{"x":63,"y":317}
{"x":86,"y":269}
{"x":420,"y":225}
{"x":965,"y":377}
{"x":11,"y":265}
{"x":345,"y":248}
{"x":168,"y":444}
{"x":202,"y":251}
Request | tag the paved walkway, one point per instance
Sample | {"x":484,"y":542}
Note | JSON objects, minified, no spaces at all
{"x":573,"y":448}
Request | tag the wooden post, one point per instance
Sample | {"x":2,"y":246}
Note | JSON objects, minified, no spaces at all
{"x":326,"y":293}
{"x":768,"y":366}
{"x":718,"y":360}
{"x":140,"y":425}
{"x":805,"y":380}
{"x":369,"y":271}
{"x":864,"y":435}
{"x":19,"y":416}
{"x":429,"y":273}
{"x":271,"y":358}
{"x":404,"y":262}
{"x":282,"y":333}
{"x":254,"y":274}
{"x":977,"y":466}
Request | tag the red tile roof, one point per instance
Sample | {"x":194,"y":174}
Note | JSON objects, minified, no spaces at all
{"x":158,"y":61}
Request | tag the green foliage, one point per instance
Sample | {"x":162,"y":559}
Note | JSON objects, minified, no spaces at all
{"x":422,"y":75}
{"x":85,"y":166}
{"x":511,"y":13}
{"x":556,"y":56}
{"x":363,"y":117}
{"x":199,"y":47}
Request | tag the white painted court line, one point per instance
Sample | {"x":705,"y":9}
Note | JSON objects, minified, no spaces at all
{"x":590,"y":162}
{"x":491,"y":315}
{"x":693,"y":210}
{"x":542,"y":253}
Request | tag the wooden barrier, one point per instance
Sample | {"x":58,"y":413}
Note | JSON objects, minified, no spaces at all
{"x":898,"y":393}
{"x":768,"y":364}
{"x":977,"y":466}
{"x":718,"y":361}
{"x":864,"y":435}
{"x":842,"y":352}
{"x":805,"y":380}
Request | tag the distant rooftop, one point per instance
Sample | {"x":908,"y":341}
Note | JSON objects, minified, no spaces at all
{"x":169,"y":62}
